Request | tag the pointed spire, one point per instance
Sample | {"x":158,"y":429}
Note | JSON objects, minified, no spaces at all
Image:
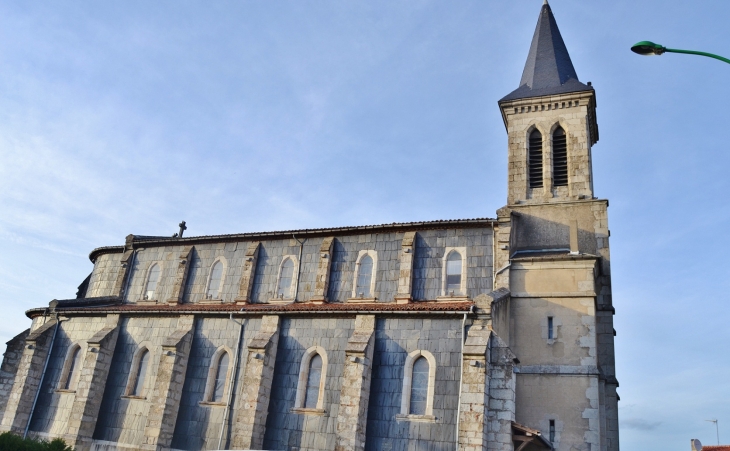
{"x":548,"y":69}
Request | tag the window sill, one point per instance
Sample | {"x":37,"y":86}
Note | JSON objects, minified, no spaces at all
{"x":361,"y":300}
{"x":133,"y":397}
{"x":303,"y":411}
{"x":211,"y":301}
{"x":416,"y":418}
{"x":64,"y":390}
{"x":147,"y":302}
{"x":280,"y":301}
{"x":454,"y":298}
{"x":212,"y":404}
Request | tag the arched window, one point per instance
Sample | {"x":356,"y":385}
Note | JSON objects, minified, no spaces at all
{"x":313,"y":381}
{"x":214,"y":284}
{"x":419,"y":387}
{"x":535,"y":159}
{"x":221,"y":377}
{"x":364,"y":277}
{"x":153,"y":276}
{"x":419,"y":381}
{"x":453,"y":273}
{"x":140,"y":372}
{"x":285,"y":279}
{"x":560,"y":158}
{"x":71,"y":368}
{"x":312,"y":375}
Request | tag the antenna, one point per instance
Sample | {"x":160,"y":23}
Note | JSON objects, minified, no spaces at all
{"x":717,"y":430}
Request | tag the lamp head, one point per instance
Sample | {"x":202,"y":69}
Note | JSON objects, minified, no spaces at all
{"x":648,"y":48}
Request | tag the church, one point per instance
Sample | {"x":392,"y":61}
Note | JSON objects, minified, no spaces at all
{"x":467,"y":334}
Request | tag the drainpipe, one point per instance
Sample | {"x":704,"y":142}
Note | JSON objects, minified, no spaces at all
{"x":43,"y":375}
{"x":299,"y":263}
{"x":494,"y":258}
{"x":232,"y":381}
{"x":461,"y":374}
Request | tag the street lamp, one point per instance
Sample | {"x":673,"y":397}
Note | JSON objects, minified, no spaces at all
{"x":648,"y":48}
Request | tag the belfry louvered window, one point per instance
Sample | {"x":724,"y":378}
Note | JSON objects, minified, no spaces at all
{"x":560,"y":158}
{"x":535,"y":159}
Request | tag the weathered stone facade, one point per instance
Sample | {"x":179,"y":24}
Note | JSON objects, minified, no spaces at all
{"x":481,"y":334}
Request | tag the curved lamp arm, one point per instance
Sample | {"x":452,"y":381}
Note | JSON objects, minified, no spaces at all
{"x":648,"y":48}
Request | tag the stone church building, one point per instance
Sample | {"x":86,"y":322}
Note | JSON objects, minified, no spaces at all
{"x":474,"y":334}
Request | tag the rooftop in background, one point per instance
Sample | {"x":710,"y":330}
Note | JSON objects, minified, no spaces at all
{"x":548,"y":69}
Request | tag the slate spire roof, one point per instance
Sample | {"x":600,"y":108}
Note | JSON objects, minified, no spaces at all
{"x":548,"y":69}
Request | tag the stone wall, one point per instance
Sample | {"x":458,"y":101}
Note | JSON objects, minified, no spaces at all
{"x":123,"y":418}
{"x":55,"y":405}
{"x":428,"y":261}
{"x":428,"y":253}
{"x":199,"y":423}
{"x":104,"y":275}
{"x":395,"y":338}
{"x":9,"y":368}
{"x":307,"y":432}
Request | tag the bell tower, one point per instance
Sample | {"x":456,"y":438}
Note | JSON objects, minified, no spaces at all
{"x":552,"y":254}
{"x":551,"y":123}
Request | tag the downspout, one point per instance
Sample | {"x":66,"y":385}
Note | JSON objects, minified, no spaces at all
{"x":299,"y":265}
{"x":234,"y":376}
{"x":494,"y":258}
{"x":461,"y":374}
{"x":501,"y":271}
{"x":43,"y":375}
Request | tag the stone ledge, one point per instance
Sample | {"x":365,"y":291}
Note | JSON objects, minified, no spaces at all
{"x":416,"y":418}
{"x":569,"y":370}
{"x":361,"y":300}
{"x":303,"y":411}
{"x":212,"y":404}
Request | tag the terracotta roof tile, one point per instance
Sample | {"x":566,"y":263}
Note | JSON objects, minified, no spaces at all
{"x":376,"y":307}
{"x":716,"y":448}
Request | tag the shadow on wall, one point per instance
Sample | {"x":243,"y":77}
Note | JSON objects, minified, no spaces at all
{"x":532,"y":232}
{"x":199,"y":426}
{"x":48,"y":402}
{"x":395,"y":338}
{"x":426,"y":271}
{"x":259,"y":289}
{"x":195,"y":271}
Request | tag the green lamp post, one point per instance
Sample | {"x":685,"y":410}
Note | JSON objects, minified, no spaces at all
{"x":648,"y":48}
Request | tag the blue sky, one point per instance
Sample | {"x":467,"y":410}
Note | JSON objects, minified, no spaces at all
{"x":127,"y":117}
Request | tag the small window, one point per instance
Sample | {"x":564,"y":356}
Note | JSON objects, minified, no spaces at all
{"x":551,"y":333}
{"x":221,"y":376}
{"x":419,"y":387}
{"x":552,"y":431}
{"x":153,"y":277}
{"x":535,"y":159}
{"x":139,"y":378}
{"x":314,"y":377}
{"x":216,"y":274}
{"x":560,"y":158}
{"x":453,"y":273}
{"x":74,"y":362}
{"x":364,"y":277}
{"x":285,"y":279}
